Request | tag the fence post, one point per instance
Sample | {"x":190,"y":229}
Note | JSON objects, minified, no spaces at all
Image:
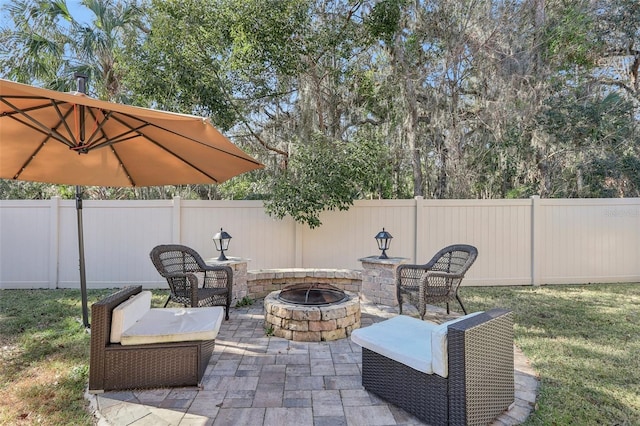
{"x":54,"y":241}
{"x":176,"y":231}
{"x":298,"y":230}
{"x":418,"y":229}
{"x":536,"y":240}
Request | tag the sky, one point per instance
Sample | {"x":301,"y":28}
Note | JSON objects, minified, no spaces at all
{"x":80,"y":12}
{"x":76,"y":9}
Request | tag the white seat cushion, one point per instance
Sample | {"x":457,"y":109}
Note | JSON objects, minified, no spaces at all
{"x":421,"y":345}
{"x":127,"y":313}
{"x":174,"y":325}
{"x":402,"y":338}
{"x":439,"y":346}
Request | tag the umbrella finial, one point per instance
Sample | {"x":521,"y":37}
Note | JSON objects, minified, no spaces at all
{"x":81,"y":80}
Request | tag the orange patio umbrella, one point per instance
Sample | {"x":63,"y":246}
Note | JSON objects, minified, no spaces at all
{"x":70,"y":138}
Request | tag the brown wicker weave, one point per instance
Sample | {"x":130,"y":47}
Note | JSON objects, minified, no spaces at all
{"x":480,"y":385}
{"x":114,"y":367}
{"x":179,"y":265}
{"x":437,"y":281}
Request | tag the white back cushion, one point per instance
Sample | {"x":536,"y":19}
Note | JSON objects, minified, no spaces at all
{"x":127,"y":313}
{"x":439,"y":345}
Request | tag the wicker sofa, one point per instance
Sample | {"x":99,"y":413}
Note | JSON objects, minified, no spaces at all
{"x":115,"y":366}
{"x":473,"y":386}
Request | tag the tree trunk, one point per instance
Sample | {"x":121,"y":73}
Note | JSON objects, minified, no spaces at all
{"x":410,"y":122}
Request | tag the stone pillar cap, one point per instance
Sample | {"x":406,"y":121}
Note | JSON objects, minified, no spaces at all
{"x":389,"y":261}
{"x":230,"y":261}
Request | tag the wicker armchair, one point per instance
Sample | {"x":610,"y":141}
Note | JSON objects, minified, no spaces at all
{"x":113,"y":366}
{"x":437,"y":281}
{"x":183,"y":268}
{"x":480,"y":382}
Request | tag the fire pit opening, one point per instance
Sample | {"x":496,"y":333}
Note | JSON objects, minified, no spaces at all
{"x":313,"y":294}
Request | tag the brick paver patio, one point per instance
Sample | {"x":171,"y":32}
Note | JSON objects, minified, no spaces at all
{"x":254,"y":379}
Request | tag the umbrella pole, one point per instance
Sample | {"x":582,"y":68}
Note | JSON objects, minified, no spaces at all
{"x":81,"y":80}
{"x":83,"y":277}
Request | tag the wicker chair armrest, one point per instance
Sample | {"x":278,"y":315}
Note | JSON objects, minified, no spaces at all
{"x":424,"y":266}
{"x":410,"y":266}
{"x":193,"y":284}
{"x":178,"y":274}
{"x":440,"y":274}
{"x":218,"y":276}
{"x":216,"y":268}
{"x":480,"y":352}
{"x":409,"y":275}
{"x":191,"y":276}
{"x":408,"y":278}
{"x":494,"y":318}
{"x":437,"y":283}
{"x":101,"y":315}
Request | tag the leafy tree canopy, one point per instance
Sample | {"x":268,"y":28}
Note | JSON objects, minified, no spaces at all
{"x":370,"y":98}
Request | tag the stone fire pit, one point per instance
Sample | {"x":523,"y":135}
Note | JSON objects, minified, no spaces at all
{"x":312,"y":323}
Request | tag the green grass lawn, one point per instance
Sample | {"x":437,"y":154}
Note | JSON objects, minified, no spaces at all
{"x":584,"y":341}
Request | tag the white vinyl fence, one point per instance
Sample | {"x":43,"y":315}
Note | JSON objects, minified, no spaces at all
{"x":521,"y":242}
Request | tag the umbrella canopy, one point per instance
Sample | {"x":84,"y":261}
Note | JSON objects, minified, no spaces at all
{"x":70,"y":138}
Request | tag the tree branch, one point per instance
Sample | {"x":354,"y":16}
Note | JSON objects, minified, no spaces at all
{"x":617,"y":83}
{"x":244,"y":122}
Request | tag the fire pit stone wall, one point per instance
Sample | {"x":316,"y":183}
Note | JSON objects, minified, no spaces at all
{"x":311,"y":323}
{"x":261,"y":282}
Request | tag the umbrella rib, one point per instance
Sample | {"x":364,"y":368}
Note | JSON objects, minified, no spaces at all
{"x":135,"y":132}
{"x":182,"y":159}
{"x":40,"y":130}
{"x":36,"y":125}
{"x":63,"y":120}
{"x":167,"y":149}
{"x":126,"y":172}
{"x":185,"y":137}
{"x":99,"y":129}
{"x":122,"y":137}
{"x":33,"y":108}
{"x":91,"y":144}
{"x":32,"y":156}
{"x":46,"y":139}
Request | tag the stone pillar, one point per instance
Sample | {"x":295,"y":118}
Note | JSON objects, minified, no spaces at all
{"x":239,"y":266}
{"x":379,"y":279}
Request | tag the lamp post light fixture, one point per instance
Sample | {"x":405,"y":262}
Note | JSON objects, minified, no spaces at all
{"x":384,"y":242}
{"x":221,"y":240}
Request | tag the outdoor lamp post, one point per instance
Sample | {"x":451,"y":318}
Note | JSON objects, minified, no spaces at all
{"x":384,"y":241}
{"x":221,"y":240}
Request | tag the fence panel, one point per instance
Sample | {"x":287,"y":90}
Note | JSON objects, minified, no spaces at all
{"x":118,"y":236}
{"x":590,"y":240}
{"x":266,"y":242}
{"x":500,"y":229}
{"x":25,"y":244}
{"x":346,"y":236}
{"x":520,"y":242}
